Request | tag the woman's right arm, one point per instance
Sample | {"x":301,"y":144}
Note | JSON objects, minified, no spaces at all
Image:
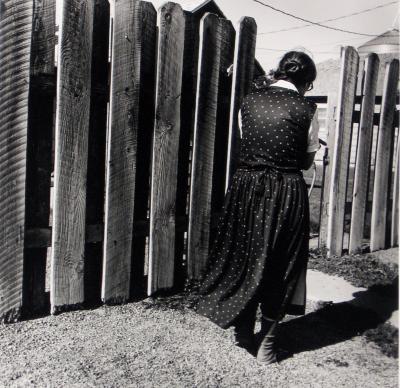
{"x":312,"y":144}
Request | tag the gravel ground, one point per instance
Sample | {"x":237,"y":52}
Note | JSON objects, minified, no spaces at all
{"x":150,"y":344}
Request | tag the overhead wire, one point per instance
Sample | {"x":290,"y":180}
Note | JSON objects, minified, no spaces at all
{"x":341,"y":42}
{"x":311,"y":22}
{"x":329,"y":20}
{"x":282,"y":50}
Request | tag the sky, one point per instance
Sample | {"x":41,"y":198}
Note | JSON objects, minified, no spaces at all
{"x":321,"y":43}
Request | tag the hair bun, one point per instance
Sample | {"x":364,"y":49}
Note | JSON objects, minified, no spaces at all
{"x":296,"y":66}
{"x":292,"y":67}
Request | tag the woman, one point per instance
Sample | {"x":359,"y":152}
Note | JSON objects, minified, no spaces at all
{"x":259,"y":256}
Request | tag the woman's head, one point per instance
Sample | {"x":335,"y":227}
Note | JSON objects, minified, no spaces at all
{"x":298,"y":68}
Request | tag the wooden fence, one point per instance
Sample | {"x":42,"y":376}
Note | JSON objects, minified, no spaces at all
{"x":142,"y":149}
{"x":374,"y":182}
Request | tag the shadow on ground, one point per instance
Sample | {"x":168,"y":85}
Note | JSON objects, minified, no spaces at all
{"x":337,"y":322}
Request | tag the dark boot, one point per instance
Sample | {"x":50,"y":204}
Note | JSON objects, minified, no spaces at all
{"x":244,"y":336}
{"x":266,"y":352}
{"x":244,"y":329}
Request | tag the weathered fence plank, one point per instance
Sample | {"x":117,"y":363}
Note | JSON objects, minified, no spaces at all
{"x":44,"y":27}
{"x":222,"y":124}
{"x":363,"y":162}
{"x":143,"y":158}
{"x":171,"y":21}
{"x":215,"y":33}
{"x":71,"y":153}
{"x":15,"y":51}
{"x":328,"y":159}
{"x":39,"y":151}
{"x":222,"y":132}
{"x":132,"y":59}
{"x":243,"y":70}
{"x":341,"y":150}
{"x":96,"y":149}
{"x":188,"y":100}
{"x":383,"y":157}
{"x":394,"y":238}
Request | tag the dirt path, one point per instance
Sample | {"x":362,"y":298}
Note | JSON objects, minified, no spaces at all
{"x":149,"y":345}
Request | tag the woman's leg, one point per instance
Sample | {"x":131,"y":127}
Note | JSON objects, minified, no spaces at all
{"x":266,"y":351}
{"x":270,"y":310}
{"x":244,"y":327}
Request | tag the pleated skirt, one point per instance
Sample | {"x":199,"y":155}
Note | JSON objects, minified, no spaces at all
{"x":261,"y":247}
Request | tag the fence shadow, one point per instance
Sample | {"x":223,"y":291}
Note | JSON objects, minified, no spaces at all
{"x":338,"y":322}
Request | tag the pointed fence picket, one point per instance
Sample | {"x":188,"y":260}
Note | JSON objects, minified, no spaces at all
{"x":394,"y":237}
{"x":131,"y":121}
{"x":361,"y":174}
{"x":15,"y":77}
{"x":341,"y":150}
{"x":71,"y":154}
{"x":243,"y":71}
{"x":39,"y":157}
{"x":171,"y":21}
{"x":384,"y":158}
{"x":216,"y":53}
{"x":96,"y":152}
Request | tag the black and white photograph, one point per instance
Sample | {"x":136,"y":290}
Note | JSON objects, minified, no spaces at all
{"x":199,"y":193}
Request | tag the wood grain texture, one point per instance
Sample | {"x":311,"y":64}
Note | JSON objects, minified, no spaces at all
{"x":243,"y":70}
{"x":44,"y":38}
{"x":341,"y":150}
{"x":383,"y":162}
{"x":222,"y":131}
{"x":171,"y":22}
{"x":394,"y":235}
{"x":96,"y":149}
{"x":71,"y":154}
{"x":203,"y":144}
{"x":211,"y":67}
{"x":132,"y":58}
{"x":143,"y":157}
{"x":223,"y":115}
{"x":41,"y":237}
{"x":363,"y":160}
{"x":188,"y":101}
{"x":39,"y":151}
{"x":15,"y":49}
{"x":330,"y":129}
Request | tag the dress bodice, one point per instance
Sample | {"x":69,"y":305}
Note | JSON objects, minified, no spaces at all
{"x":275,"y":124}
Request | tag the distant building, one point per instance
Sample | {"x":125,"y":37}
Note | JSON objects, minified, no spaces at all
{"x":385,"y":45}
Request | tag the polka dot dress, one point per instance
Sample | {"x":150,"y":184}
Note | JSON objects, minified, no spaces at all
{"x":261,"y":245}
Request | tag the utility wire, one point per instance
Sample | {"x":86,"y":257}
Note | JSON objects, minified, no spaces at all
{"x":329,"y":20}
{"x":281,"y":50}
{"x":341,"y":42}
{"x":311,"y":22}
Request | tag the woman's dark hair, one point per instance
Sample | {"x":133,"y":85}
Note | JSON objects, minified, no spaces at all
{"x":297,"y":67}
